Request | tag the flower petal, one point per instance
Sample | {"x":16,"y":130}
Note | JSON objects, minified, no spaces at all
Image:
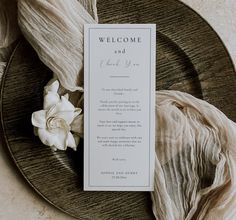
{"x":77,"y":139}
{"x":61,"y":106}
{"x":68,"y":116}
{"x":77,"y":125}
{"x":52,"y":87}
{"x":66,"y":96}
{"x":56,"y":137}
{"x":50,"y":99}
{"x":38,"y":119}
{"x":67,"y":104}
{"x":46,"y":137}
{"x":70,"y":142}
{"x":61,"y":137}
{"x":78,"y":111}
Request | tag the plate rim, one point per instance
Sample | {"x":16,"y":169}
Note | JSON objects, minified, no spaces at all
{"x":4,"y":140}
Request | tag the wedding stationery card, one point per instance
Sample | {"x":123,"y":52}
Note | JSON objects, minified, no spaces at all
{"x":119,"y":107}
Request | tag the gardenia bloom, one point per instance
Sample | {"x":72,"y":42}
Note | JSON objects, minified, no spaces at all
{"x":53,"y":123}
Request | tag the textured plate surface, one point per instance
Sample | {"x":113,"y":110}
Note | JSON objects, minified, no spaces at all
{"x":190,"y":58}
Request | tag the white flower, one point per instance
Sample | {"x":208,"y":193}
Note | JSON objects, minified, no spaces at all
{"x":53,"y":123}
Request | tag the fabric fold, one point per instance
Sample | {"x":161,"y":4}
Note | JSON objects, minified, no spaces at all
{"x":9,"y":30}
{"x":55,"y":31}
{"x":195,"y":160}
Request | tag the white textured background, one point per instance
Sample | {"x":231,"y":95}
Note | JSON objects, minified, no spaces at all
{"x":18,"y":201}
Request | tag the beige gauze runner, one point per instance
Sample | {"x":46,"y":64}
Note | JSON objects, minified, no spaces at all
{"x":9,"y":31}
{"x":195,"y":168}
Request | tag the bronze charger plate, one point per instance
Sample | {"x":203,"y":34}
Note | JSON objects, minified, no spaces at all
{"x":190,"y":58}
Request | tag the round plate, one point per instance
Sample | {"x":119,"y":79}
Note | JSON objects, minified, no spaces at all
{"x":190,"y":57}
